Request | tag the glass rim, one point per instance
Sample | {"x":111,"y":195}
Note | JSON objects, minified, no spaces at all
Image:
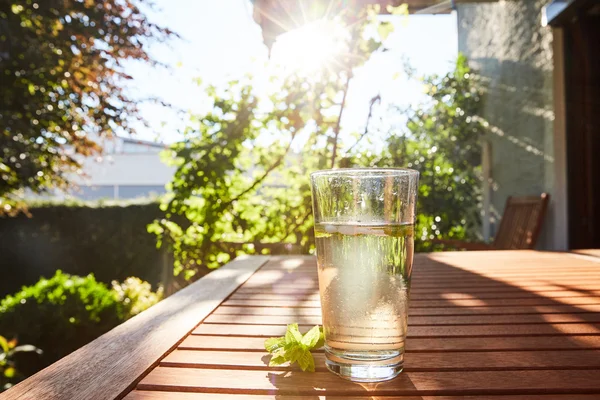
{"x":362,"y":172}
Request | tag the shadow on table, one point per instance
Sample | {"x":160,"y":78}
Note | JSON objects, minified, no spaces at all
{"x":295,"y":383}
{"x":458,"y":308}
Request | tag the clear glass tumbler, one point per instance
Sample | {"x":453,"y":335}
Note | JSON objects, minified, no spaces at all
{"x":364,"y":228}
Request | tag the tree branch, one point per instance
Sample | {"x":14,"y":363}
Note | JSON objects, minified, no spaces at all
{"x":264,"y":176}
{"x":295,"y":225}
{"x":373,"y":101}
{"x":339,"y":120}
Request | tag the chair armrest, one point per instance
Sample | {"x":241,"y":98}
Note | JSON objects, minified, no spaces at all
{"x":463,"y":245}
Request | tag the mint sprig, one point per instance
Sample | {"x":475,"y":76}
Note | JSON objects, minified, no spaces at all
{"x":295,"y":347}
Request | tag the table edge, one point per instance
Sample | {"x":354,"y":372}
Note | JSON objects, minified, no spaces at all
{"x":110,"y":366}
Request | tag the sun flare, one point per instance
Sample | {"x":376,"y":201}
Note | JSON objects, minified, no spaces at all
{"x":311,"y":47}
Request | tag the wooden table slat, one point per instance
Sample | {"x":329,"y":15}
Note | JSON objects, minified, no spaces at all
{"x":410,"y":383}
{"x":314,"y":295}
{"x":523,"y":343}
{"x":418,"y":331}
{"x":441,"y":320}
{"x":456,"y":361}
{"x":588,"y":252}
{"x":413,"y":311}
{"x":460,"y":303}
{"x":151,"y":395}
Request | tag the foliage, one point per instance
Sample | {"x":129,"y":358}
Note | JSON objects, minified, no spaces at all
{"x":65,"y":312}
{"x":9,"y":374}
{"x":295,"y":347}
{"x":237,"y":181}
{"x":243,"y":190}
{"x":62,"y":72}
{"x":107,"y":239}
{"x":442,"y":141}
{"x":135,"y":295}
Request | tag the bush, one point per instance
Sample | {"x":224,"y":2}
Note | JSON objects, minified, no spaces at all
{"x":65,"y":312}
{"x":135,"y":296}
{"x":109,"y":240}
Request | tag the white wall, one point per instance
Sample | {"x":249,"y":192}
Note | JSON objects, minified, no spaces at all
{"x":507,"y":45}
{"x":126,"y":169}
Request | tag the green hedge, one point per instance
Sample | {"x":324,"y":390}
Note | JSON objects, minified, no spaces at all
{"x":61,"y":314}
{"x":107,"y":239}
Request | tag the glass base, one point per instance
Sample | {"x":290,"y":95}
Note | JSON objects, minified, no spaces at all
{"x":365,"y":366}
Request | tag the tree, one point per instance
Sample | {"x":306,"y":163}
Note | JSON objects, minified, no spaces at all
{"x":237,"y":182}
{"x":62,"y":74}
{"x":441,"y":139}
{"x":242,"y":190}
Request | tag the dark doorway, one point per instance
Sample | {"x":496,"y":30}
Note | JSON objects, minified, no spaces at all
{"x":582,"y":84}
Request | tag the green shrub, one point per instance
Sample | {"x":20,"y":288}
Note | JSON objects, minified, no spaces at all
{"x":65,"y":312}
{"x":135,"y":296}
{"x":109,"y":240}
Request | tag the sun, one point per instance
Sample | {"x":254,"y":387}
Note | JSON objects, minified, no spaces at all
{"x":311,"y":47}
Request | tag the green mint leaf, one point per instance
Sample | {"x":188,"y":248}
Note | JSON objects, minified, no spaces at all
{"x":321,"y":342}
{"x":277,"y":360}
{"x":274,"y":344}
{"x":292,"y":335}
{"x":307,"y":362}
{"x":311,"y":338}
{"x":293,"y":354}
{"x":295,"y":347}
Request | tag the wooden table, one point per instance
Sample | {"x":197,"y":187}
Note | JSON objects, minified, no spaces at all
{"x":588,"y":252}
{"x":488,"y":325}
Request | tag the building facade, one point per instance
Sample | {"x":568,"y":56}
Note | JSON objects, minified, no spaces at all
{"x":127,"y":169}
{"x":509,"y":48}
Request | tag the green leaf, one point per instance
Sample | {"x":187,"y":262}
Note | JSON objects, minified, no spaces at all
{"x":295,"y":353}
{"x":321,"y":342}
{"x":307,"y":362}
{"x":311,"y":338}
{"x":292,"y":335}
{"x":275,"y":361}
{"x":274,"y":344}
{"x":384,"y":29}
{"x":402,"y":9}
{"x":4,"y":344}
{"x":295,"y":347}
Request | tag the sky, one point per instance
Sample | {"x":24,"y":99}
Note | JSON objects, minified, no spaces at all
{"x":220,"y":41}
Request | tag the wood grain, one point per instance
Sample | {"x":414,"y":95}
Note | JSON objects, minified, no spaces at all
{"x":521,"y":325}
{"x":510,"y":319}
{"x":460,"y":303}
{"x":440,"y":295}
{"x":455,"y":361}
{"x":510,"y":325}
{"x":314,"y":311}
{"x":418,"y":290}
{"x":418,"y":331}
{"x":411,"y":383}
{"x":107,"y":367}
{"x":588,"y":252}
{"x":538,"y":343}
{"x":150,"y":395}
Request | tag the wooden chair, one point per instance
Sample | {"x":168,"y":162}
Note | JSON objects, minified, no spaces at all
{"x":519,"y":228}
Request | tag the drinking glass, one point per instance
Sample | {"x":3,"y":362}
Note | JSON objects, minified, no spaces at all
{"x":364,"y":228}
